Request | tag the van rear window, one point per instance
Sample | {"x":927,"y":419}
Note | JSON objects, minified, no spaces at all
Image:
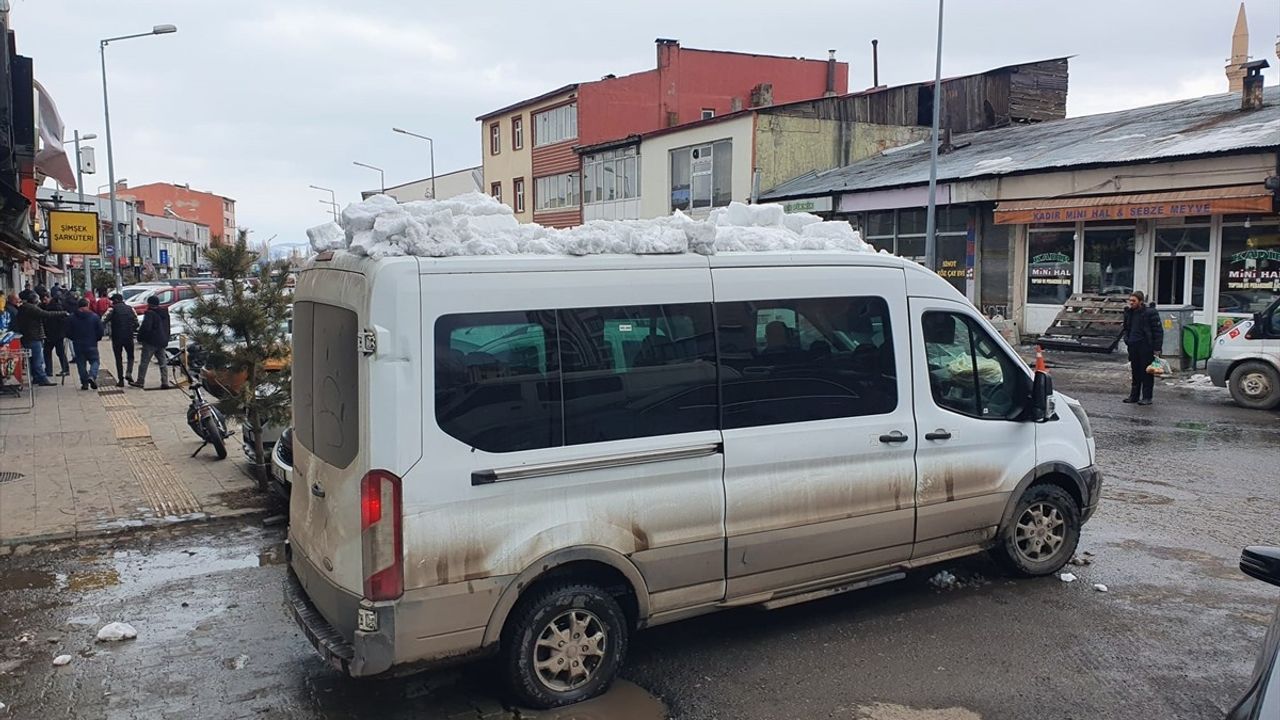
{"x":326,"y":407}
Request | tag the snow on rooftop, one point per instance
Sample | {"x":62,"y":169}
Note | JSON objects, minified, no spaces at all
{"x":476,"y":224}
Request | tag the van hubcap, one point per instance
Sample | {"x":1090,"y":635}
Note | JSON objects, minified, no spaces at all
{"x":1040,"y":532}
{"x":1255,"y":385}
{"x":569,"y":650}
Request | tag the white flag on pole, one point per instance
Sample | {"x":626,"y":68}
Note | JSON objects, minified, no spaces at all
{"x":51,"y":158}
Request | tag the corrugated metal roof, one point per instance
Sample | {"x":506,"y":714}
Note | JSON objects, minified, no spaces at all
{"x":1202,"y":126}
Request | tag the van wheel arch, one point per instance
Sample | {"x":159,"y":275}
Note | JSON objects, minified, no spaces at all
{"x":1056,"y":473}
{"x":600,"y":566}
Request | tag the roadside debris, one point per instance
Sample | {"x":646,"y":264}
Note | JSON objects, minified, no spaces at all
{"x":61,"y":660}
{"x":236,"y":663}
{"x":112,"y":632}
{"x":24,"y":638}
{"x":944,"y":580}
{"x":1100,"y":587}
{"x":1082,"y":559}
{"x":1067,"y":577}
{"x":274,"y":520}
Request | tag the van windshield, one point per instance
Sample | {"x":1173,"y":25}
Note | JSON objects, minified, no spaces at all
{"x":326,"y":407}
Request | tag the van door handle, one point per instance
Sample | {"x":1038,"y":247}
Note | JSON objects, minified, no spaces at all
{"x":317,"y":490}
{"x":939,"y":434}
{"x":894,"y":437}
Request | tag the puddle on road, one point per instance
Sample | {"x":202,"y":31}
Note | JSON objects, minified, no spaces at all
{"x":886,"y":711}
{"x":624,"y":701}
{"x":94,"y":580}
{"x":27,"y":580}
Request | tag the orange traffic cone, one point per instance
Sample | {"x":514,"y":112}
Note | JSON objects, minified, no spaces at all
{"x":1040,"y":366}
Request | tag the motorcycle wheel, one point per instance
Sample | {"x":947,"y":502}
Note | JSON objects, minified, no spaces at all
{"x":214,"y":436}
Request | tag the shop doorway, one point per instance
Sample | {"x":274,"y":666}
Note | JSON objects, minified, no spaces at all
{"x":1180,"y":281}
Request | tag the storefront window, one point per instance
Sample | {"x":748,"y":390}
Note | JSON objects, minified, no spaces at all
{"x":1050,"y":266}
{"x":1250,"y":279}
{"x":1182,"y":240}
{"x":1108,"y":261}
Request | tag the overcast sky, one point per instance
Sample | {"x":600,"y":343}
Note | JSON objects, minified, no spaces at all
{"x":257,"y":99}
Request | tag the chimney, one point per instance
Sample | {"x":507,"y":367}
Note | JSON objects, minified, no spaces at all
{"x":1251,"y":93}
{"x":1239,"y":52}
{"x":875,"y":63}
{"x":831,"y":74}
{"x":666,"y":47}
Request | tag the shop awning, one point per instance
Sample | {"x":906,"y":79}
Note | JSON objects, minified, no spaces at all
{"x":51,"y":269}
{"x":1144,"y":206}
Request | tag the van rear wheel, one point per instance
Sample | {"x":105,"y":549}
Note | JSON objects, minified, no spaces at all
{"x":1043,"y":534}
{"x":564,"y":644}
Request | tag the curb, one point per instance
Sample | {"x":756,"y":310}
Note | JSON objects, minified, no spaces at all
{"x":144,"y":526}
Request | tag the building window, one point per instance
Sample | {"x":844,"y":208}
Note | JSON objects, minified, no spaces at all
{"x":555,"y":192}
{"x":555,"y":125}
{"x":517,"y":190}
{"x":1051,"y":265}
{"x":702,"y":175}
{"x":495,"y":139}
{"x":1108,"y":261}
{"x":1250,"y":274}
{"x":902,"y":232}
{"x":611,"y":175}
{"x":517,"y":132}
{"x":708,"y":113}
{"x":495,"y":189}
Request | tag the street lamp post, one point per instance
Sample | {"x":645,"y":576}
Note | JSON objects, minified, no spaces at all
{"x":381,"y":175}
{"x":433,"y":155}
{"x":106,"y":111}
{"x":333,"y":200}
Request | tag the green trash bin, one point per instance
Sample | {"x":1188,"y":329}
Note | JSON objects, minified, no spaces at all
{"x":1197,"y":342}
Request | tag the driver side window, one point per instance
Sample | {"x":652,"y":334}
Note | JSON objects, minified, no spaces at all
{"x":968,"y":373}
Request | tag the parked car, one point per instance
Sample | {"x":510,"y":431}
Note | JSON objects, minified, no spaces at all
{"x":282,"y":461}
{"x":535,"y":456}
{"x":1246,"y":359}
{"x":167,"y":295}
{"x":1262,"y":699}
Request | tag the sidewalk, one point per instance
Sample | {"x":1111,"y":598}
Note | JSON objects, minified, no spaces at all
{"x":85,"y":463}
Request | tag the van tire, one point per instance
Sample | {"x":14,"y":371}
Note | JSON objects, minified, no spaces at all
{"x":1255,"y":384}
{"x":563,"y":607}
{"x":1025,"y":546}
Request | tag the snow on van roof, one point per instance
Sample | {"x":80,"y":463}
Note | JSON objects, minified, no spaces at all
{"x":476,"y":224}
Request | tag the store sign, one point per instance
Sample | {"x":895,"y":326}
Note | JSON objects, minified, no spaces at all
{"x":72,"y":232}
{"x":1133,"y":211}
{"x":809,"y":205}
{"x":164,"y":256}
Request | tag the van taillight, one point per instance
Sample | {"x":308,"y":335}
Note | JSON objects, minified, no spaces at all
{"x":380,"y":537}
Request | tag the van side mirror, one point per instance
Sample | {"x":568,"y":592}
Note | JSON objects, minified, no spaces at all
{"x":1261,"y":562}
{"x":1042,"y":397}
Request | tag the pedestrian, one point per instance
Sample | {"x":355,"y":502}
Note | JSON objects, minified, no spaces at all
{"x":55,"y":335}
{"x":30,"y":323}
{"x":85,"y":330}
{"x":102,"y":303}
{"x":123,"y":322}
{"x":153,"y":336}
{"x":1143,"y":334}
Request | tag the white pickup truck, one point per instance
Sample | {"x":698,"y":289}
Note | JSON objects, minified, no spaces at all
{"x":1246,"y":359}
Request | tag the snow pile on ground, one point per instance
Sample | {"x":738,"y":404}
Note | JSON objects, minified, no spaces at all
{"x":112,"y":632}
{"x":1067,"y":577}
{"x":476,"y":224}
{"x":1198,"y":381}
{"x":61,"y":660}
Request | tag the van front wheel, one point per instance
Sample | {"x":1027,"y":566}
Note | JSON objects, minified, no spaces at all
{"x":564,"y":645}
{"x":1255,"y":385}
{"x":1043,"y":534}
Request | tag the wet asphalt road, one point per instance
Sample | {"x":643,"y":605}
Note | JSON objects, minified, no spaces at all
{"x":1189,"y":481}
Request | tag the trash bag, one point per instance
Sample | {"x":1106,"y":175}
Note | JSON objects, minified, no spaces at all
{"x":1160,"y":366}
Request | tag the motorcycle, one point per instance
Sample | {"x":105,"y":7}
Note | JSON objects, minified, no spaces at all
{"x":203,"y":417}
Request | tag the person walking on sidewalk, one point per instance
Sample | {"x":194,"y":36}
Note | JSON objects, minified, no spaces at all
{"x":100,"y":304}
{"x":123,"y":322}
{"x":153,"y":336}
{"x":30,"y":323}
{"x":85,"y":330}
{"x":1143,"y":334}
{"x":55,"y":335}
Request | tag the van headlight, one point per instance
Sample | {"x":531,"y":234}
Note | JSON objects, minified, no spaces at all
{"x":1078,"y":410}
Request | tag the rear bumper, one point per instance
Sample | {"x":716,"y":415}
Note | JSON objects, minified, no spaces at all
{"x":365,"y":653}
{"x":1092,"y":477}
{"x":1218,"y":371}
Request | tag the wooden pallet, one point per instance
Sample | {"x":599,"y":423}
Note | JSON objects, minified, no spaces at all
{"x":1091,"y":323}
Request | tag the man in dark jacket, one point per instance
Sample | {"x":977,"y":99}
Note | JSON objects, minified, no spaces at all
{"x":55,"y":334}
{"x":123,"y":322}
{"x":153,"y":336}
{"x":1143,"y":334}
{"x":85,"y":330}
{"x":30,"y":323}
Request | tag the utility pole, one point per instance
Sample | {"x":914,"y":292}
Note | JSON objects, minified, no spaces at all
{"x":931,"y":222}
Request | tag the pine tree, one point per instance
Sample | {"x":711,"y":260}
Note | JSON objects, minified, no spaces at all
{"x":240,"y":330}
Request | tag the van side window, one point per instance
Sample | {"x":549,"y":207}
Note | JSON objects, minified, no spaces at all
{"x":498,"y":380}
{"x":637,"y":371}
{"x":326,"y":382}
{"x":968,"y":373}
{"x":794,"y":360}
